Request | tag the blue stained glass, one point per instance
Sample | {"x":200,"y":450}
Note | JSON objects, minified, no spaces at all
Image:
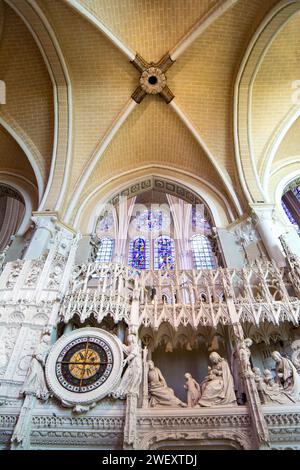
{"x":139,"y":253}
{"x":198,"y":220}
{"x":296,"y":191}
{"x":150,"y":220}
{"x":105,"y":223}
{"x":203,"y":254}
{"x":290,"y":216}
{"x":164,"y":253}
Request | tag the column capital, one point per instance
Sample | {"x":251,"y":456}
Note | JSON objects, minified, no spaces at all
{"x":45,"y":219}
{"x":262,"y":211}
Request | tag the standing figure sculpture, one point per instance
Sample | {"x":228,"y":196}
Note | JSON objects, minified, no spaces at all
{"x":259,"y":382}
{"x":160,"y":393}
{"x":193,"y":390}
{"x":34,"y":387}
{"x":287,"y":375}
{"x":35,"y":383}
{"x":130,"y":382}
{"x":245,"y":354}
{"x":217,"y":388}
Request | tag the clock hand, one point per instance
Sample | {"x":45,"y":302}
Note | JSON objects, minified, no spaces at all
{"x":83,"y":364}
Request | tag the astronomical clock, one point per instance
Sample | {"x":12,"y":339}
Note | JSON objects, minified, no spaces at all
{"x":84,"y":366}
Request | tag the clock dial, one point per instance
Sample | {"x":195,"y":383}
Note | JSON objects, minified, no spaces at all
{"x":84,"y":364}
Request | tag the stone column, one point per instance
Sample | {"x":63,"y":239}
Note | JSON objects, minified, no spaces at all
{"x":21,"y":436}
{"x":259,"y":426}
{"x":145,"y":391}
{"x":130,"y":421}
{"x":263,"y":222}
{"x":253,"y":401}
{"x":135,"y":310}
{"x":45,"y":226}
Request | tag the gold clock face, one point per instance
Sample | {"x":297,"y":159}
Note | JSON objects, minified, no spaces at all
{"x":84,"y":364}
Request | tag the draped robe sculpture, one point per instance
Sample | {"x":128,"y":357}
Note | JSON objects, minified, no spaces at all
{"x":160,"y":393}
{"x":217,"y":388}
{"x":35,"y":382}
{"x":287,"y":375}
{"x":131,"y":379}
{"x":270,"y":391}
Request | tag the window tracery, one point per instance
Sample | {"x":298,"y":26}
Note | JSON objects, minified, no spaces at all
{"x":164,"y":253}
{"x":203,"y":254}
{"x":150,"y":220}
{"x":104,"y":224}
{"x":139,"y":253}
{"x":199,"y":221}
{"x":105,"y":250}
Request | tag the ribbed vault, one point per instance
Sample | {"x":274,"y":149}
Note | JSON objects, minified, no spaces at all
{"x":231,"y":82}
{"x":29,"y":101}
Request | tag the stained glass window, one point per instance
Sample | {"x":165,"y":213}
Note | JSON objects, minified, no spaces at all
{"x":290,"y":216}
{"x":105,"y":250}
{"x":203,"y":254}
{"x":105,"y":223}
{"x":296,"y":191}
{"x":139,"y":253}
{"x":198,"y":219}
{"x":164,"y":253}
{"x":150,"y":220}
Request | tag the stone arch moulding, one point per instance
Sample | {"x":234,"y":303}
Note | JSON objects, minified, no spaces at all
{"x":258,"y":47}
{"x":214,"y":199}
{"x":284,"y":181}
{"x":28,"y":154}
{"x":276,"y":140}
{"x":45,"y":38}
{"x":29,"y":193}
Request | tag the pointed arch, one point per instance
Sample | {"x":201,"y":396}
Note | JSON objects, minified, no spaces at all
{"x":255,"y":53}
{"x":47,"y":42}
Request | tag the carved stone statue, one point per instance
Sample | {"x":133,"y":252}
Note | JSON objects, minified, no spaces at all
{"x":217,"y":388}
{"x":273,"y":392}
{"x":259,"y":382}
{"x":296,"y":354}
{"x":245,"y":354}
{"x":35,"y":383}
{"x":193,"y":390}
{"x":131,"y":379}
{"x":287,"y":375}
{"x":159,"y":392}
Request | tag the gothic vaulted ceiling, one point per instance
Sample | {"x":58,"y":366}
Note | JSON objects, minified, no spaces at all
{"x":71,"y":122}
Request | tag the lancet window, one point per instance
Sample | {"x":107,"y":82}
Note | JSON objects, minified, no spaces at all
{"x":204,"y":257}
{"x":105,"y":250}
{"x":164,"y":252}
{"x":139,"y":253}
